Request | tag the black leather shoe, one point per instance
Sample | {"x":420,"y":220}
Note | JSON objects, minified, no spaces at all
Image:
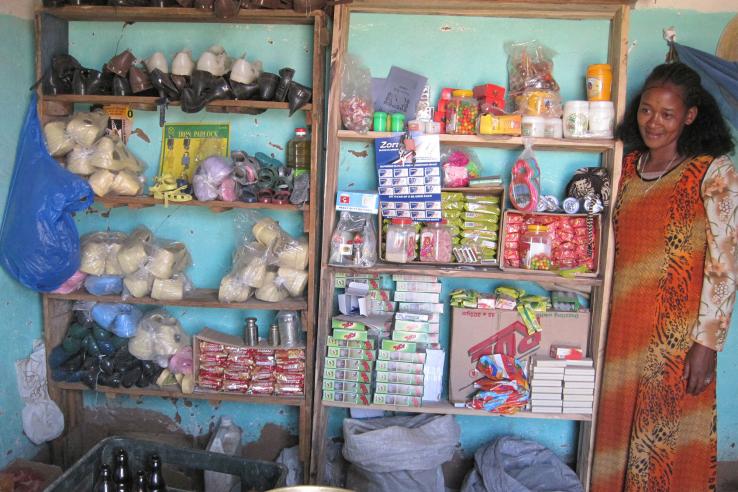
{"x":96,"y":83}
{"x":285,"y":80}
{"x":298,"y":96}
{"x":245,"y":92}
{"x":191,"y":102}
{"x":164,"y":85}
{"x":268,"y":85}
{"x":121,"y":87}
{"x":219,"y":89}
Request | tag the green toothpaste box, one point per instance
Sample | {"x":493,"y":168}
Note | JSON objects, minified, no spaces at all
{"x":395,"y":346}
{"x":342,"y":334}
{"x":352,"y":344}
{"x":352,"y":364}
{"x":400,"y":367}
{"x":346,"y":386}
{"x":399,"y":389}
{"x":415,"y":357}
{"x":351,"y":353}
{"x":399,"y":377}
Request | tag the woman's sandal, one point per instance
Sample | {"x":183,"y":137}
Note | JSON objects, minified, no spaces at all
{"x":163,"y":184}
{"x":265,"y":195}
{"x":176,"y":195}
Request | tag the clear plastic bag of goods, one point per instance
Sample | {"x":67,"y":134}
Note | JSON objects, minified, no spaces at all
{"x":121,"y":319}
{"x":99,"y":253}
{"x":158,"y":338}
{"x":86,"y":128}
{"x":459,"y":166}
{"x":226,"y":440}
{"x":354,"y":240}
{"x":271,"y":291}
{"x":132,"y":255}
{"x":58,"y":142}
{"x":209,"y":176}
{"x":356,"y":104}
{"x":293,"y":281}
{"x":533,"y":89}
{"x":167,"y":258}
{"x":171,"y":289}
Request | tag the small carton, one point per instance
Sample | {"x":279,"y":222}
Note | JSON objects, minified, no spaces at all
{"x":341,"y":334}
{"x":352,"y":344}
{"x":397,"y":366}
{"x":433,"y":375}
{"x":566,"y":352}
{"x":352,"y":364}
{"x":417,"y":296}
{"x":355,"y":398}
{"x":427,"y":317}
{"x":346,"y":386}
{"x":414,"y":357}
{"x":399,"y":389}
{"x":365,"y":202}
{"x":421,"y":307}
{"x":399,"y":377}
{"x":415,"y":336}
{"x":422,"y":326}
{"x":397,"y":400}
{"x":347,"y":325}
{"x":414,"y":278}
{"x":351,"y":353}
{"x":418,"y":286}
{"x":346,"y":375}
{"x":395,"y":346}
{"x":486,"y":301}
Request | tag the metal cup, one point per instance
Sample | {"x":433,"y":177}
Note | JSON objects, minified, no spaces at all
{"x":274,"y":335}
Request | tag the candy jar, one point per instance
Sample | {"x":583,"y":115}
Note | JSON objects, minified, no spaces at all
{"x":535,"y":248}
{"x":461,"y":113}
{"x":436,"y":242}
{"x":401,"y":241}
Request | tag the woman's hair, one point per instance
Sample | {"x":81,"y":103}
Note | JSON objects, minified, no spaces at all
{"x":708,"y":133}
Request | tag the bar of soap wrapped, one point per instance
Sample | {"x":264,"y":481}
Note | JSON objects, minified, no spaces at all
{"x":86,"y":128}
{"x":132,"y":254}
{"x":101,"y":182}
{"x":294,"y":255}
{"x":79,"y":161}
{"x":58,"y":143}
{"x":139,"y":283}
{"x":293,"y":280}
{"x":126,"y":184}
{"x":233,"y":290}
{"x":168,"y":289}
{"x":270,"y":291}
{"x":92,"y":258}
{"x":267,"y":231}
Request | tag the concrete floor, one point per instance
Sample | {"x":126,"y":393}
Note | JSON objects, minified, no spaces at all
{"x":727,"y":476}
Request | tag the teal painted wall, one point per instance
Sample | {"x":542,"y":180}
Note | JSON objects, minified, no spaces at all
{"x":472,"y":53}
{"x":20,"y":309}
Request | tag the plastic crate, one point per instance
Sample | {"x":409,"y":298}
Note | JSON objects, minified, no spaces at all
{"x":254,"y":474}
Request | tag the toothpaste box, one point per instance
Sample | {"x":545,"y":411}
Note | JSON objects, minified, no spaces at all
{"x":353,"y":364}
{"x":347,"y":325}
{"x":415,"y":336}
{"x":397,"y":400}
{"x":399,"y":377}
{"x":351,"y":353}
{"x":418,"y":287}
{"x":346,"y":386}
{"x":379,"y":295}
{"x":341,"y":334}
{"x":414,"y":357}
{"x":347,"y":375}
{"x":355,"y":398}
{"x":417,"y":296}
{"x":421,"y":307}
{"x":427,"y":317}
{"x":395,"y":346}
{"x":422,"y":326}
{"x":399,"y":367}
{"x":352,"y":344}
{"x":399,"y":389}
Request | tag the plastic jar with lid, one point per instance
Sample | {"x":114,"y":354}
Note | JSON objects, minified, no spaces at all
{"x":533,"y":126}
{"x":401,"y":241}
{"x":601,"y":119}
{"x":461,"y":113}
{"x":436,"y":242}
{"x":576,"y":119}
{"x":599,"y":82}
{"x":535,"y":248}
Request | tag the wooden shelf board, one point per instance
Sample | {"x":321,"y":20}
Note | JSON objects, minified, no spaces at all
{"x":197,"y":395}
{"x":215,"y":205}
{"x":206,"y":298}
{"x":174,"y":14}
{"x":501,"y":142}
{"x":483,"y":272}
{"x":151,"y":101}
{"x":445,"y":407}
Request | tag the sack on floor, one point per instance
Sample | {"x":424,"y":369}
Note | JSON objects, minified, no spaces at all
{"x":510,"y":464}
{"x":39,"y":243}
{"x":399,"y":453}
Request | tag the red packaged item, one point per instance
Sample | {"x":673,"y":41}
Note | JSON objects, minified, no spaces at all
{"x":261,"y":388}
{"x":210,"y":346}
{"x":237,"y":375}
{"x":491,"y":94}
{"x":295,"y":366}
{"x":514,"y":219}
{"x":510,"y":253}
{"x":264,"y":362}
{"x":289,"y":377}
{"x":263,"y":351}
{"x":242,"y":386}
{"x":211,"y":370}
{"x":262,"y":375}
{"x":564,"y":236}
{"x":240,"y":359}
{"x":512,"y":237}
{"x":288,"y":354}
{"x":213,"y":358}
{"x":240,"y":351}
{"x":289,"y":389}
{"x":578,"y":222}
{"x":211,"y":384}
{"x":580,"y":232}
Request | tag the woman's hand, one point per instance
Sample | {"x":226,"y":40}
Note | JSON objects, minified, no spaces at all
{"x":699,"y":368}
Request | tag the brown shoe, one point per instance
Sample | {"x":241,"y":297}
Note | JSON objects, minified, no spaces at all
{"x":121,"y":63}
{"x":204,"y":4}
{"x":225,"y":9}
{"x":139,"y":80}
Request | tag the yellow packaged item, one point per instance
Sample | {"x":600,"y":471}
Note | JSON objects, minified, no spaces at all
{"x":509,"y":124}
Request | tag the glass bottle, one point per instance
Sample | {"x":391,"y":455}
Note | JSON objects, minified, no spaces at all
{"x":104,"y":480}
{"x":156,"y":478}
{"x":298,"y":152}
{"x":140,"y":484}
{"x":121,"y":473}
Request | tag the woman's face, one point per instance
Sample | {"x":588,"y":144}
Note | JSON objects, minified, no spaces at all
{"x":662,"y":116}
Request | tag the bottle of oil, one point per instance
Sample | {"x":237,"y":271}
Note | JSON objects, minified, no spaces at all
{"x":298,"y":152}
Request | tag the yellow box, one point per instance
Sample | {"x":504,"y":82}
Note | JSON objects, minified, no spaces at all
{"x":509,"y":124}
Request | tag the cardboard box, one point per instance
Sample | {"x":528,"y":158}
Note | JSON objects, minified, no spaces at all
{"x":399,"y":377}
{"x":477,"y":332}
{"x":415,"y":336}
{"x":421,"y":326}
{"x":352,"y":344}
{"x":414,"y":357}
{"x":414,"y":278}
{"x":418,"y":286}
{"x":398,"y":366}
{"x":346,"y":386}
{"x":355,"y":398}
{"x":351,"y":364}
{"x":341,"y":334}
{"x":399,"y":389}
{"x":417,"y":296}
{"x":397,"y":400}
{"x":365,"y":202}
{"x":395,"y":346}
{"x":421,"y":307}
{"x":346,"y":375}
{"x":426,"y":317}
{"x":351,"y":353}
{"x":347,"y":325}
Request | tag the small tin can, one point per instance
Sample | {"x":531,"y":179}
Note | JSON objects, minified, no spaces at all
{"x":274,"y":335}
{"x":251,"y":332}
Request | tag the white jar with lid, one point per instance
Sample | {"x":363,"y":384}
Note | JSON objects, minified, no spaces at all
{"x":576,"y":119}
{"x":532,"y":126}
{"x":601,"y":119}
{"x":552,"y":128}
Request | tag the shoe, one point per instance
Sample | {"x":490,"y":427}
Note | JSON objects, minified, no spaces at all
{"x":180,"y":81}
{"x":96,"y":83}
{"x":121,"y":63}
{"x":204,"y":4}
{"x":226,"y":9}
{"x":199,"y":81}
{"x":182,"y":63}
{"x":219,"y":89}
{"x":267,"y":86}
{"x":139,"y":80}
{"x":285,"y":80}
{"x":157,"y":61}
{"x":215,"y":61}
{"x":163,"y":83}
{"x":121,"y":87}
{"x":79,"y":86}
{"x":244,"y":92}
{"x":191,"y":102}
{"x":186,"y":3}
{"x":298,"y":96}
{"x":64,"y":66}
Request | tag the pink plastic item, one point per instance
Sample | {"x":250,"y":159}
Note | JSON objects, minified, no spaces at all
{"x":71,"y":284}
{"x":181,"y":362}
{"x":227,"y":190}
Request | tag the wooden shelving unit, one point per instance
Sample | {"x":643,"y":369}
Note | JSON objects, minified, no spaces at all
{"x":616,"y":12}
{"x":52,"y":38}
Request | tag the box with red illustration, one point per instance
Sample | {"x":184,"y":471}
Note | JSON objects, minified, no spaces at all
{"x":477,"y":332}
{"x":574,"y":241}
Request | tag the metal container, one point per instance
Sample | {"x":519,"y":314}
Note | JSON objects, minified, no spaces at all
{"x":251,"y":332}
{"x":274,"y":335}
{"x":289,"y":327}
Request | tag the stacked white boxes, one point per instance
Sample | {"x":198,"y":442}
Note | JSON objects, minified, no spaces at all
{"x":579,"y":380}
{"x":546,"y":383}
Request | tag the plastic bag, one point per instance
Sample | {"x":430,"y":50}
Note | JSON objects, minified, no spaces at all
{"x":167,"y":258}
{"x":504,"y":387}
{"x":158,"y":338}
{"x":79,"y":161}
{"x":86,"y":128}
{"x":354,"y":240}
{"x":529,"y":66}
{"x":209,"y":176}
{"x":171,"y":289}
{"x":181,"y":362}
{"x":72,"y":284}
{"x":225,"y":440}
{"x":121,"y":319}
{"x":356,"y":105}
{"x":292,"y":280}
{"x":99,"y":254}
{"x":132,"y":254}
{"x":58,"y":142}
{"x":511,"y":464}
{"x":271,"y":291}
{"x":39,"y":242}
{"x":459,"y":166}
{"x":104,"y":285}
{"x":42,"y":419}
{"x":525,"y":186}
{"x":419,"y":446}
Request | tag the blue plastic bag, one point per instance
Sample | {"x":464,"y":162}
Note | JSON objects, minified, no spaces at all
{"x":39,"y":243}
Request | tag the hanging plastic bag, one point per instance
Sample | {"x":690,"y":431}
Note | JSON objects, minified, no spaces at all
{"x":533,"y":89}
{"x":525,"y":187}
{"x":39,"y":242}
{"x":209,"y":176}
{"x":459,"y":166}
{"x":356,"y":105}
{"x":354,"y":240}
{"x":158,"y":338}
{"x":42,"y":419}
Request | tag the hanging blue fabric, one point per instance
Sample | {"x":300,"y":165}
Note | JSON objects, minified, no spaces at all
{"x":39,"y":242}
{"x":719,"y":78}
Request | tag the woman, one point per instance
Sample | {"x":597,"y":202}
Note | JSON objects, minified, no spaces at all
{"x":673,"y":290}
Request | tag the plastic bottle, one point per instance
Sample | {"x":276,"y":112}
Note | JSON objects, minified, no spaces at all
{"x":401,"y":241}
{"x":436,"y":242}
{"x":298,"y":152}
{"x":599,"y":82}
{"x":105,"y":480}
{"x":535,"y":248}
{"x":226,"y":440}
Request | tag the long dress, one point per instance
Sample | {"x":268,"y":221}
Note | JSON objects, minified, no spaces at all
{"x":674,"y":284}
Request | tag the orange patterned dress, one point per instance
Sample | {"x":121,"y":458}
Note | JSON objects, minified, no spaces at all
{"x":675,"y":249}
